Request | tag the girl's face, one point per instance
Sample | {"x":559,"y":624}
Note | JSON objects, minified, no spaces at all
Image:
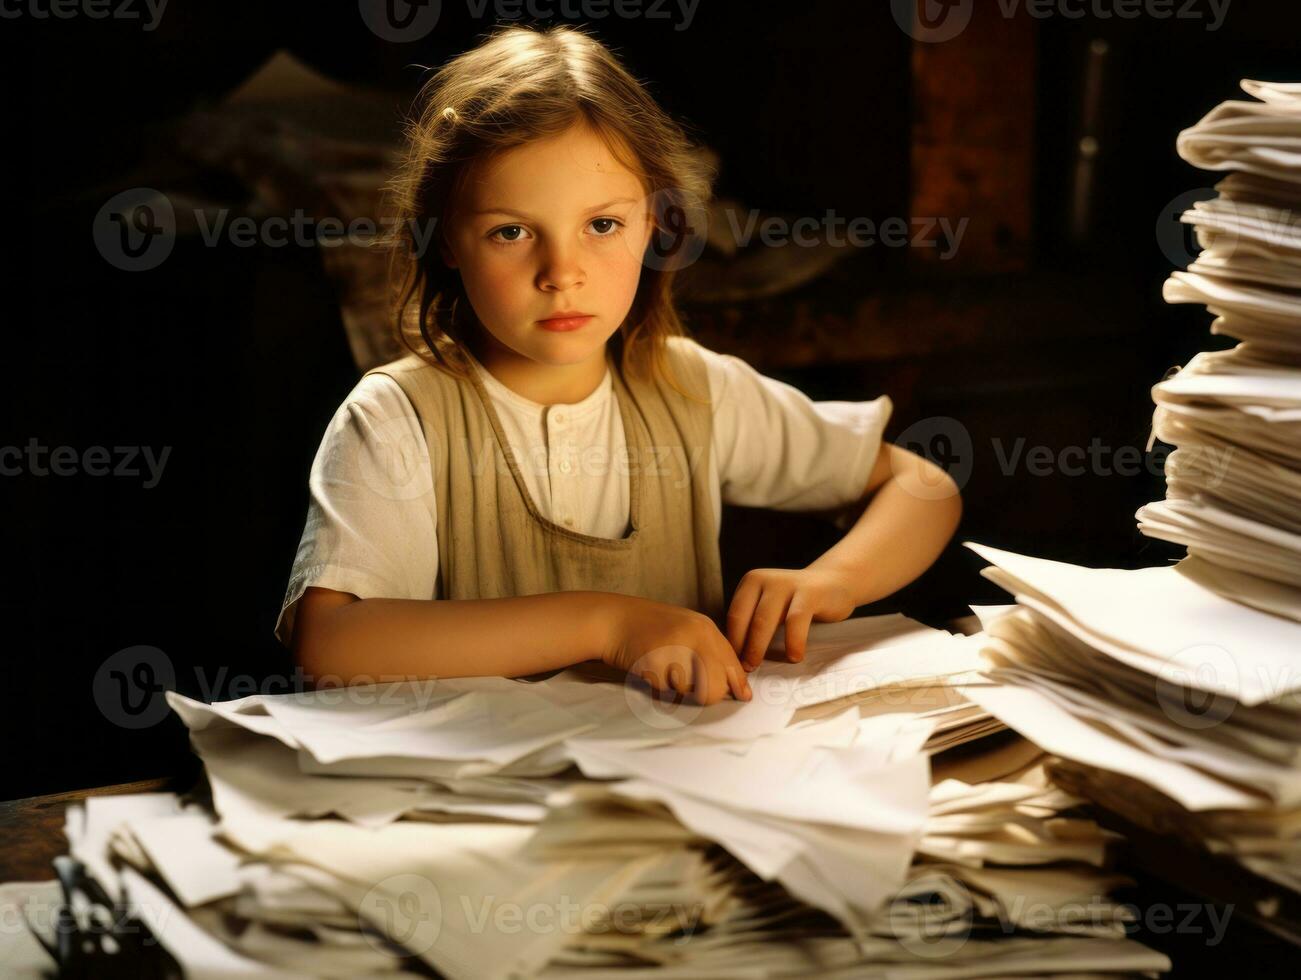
{"x":556,"y":225}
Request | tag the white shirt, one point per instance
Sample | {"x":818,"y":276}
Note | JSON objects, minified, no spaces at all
{"x":371,"y":519}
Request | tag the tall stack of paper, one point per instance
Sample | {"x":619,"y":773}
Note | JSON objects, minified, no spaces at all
{"x":1150,"y":675}
{"x":573,"y":827}
{"x":1233,"y":493}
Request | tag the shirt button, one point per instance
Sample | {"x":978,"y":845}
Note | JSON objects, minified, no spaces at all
{"x":565,"y":467}
{"x":559,"y":416}
{"x":569,"y":521}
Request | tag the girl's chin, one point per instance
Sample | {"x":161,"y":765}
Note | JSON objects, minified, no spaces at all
{"x":559,"y":348}
{"x":569,"y":340}
{"x":564,"y":350}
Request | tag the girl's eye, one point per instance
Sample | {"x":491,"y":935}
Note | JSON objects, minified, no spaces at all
{"x":510,"y":234}
{"x":507,"y":228}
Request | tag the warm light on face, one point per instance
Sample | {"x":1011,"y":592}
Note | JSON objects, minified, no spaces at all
{"x":554,"y":225}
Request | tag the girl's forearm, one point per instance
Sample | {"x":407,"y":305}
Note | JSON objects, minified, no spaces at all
{"x":897,"y":537}
{"x":369,"y":640}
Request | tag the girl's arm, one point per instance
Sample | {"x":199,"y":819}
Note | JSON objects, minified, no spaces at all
{"x":353,"y":641}
{"x":341,"y":638}
{"x":913,"y":508}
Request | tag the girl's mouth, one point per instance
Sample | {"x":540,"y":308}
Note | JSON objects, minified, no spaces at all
{"x":564,"y":323}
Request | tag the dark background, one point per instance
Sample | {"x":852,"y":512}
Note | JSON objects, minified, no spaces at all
{"x":809,"y":105}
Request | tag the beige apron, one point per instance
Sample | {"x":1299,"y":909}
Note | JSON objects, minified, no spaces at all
{"x":494,"y":542}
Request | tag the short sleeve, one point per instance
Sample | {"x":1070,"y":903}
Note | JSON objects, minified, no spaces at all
{"x":371,"y":520}
{"x":778,"y":448}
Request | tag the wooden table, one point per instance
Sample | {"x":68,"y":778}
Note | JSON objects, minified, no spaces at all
{"x":32,"y":829}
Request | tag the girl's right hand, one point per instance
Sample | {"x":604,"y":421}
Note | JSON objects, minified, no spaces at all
{"x":674,"y":649}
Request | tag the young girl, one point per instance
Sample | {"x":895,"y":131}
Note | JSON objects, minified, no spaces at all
{"x":540,"y":481}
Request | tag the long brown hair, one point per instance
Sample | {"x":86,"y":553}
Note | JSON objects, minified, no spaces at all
{"x":519,"y":84}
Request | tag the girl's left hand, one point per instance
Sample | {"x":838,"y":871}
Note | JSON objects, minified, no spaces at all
{"x":767,"y":596}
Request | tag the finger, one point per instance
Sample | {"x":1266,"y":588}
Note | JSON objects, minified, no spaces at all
{"x":734,"y":675}
{"x":742,"y":609}
{"x":662,"y":673}
{"x":797,"y":630}
{"x":719,"y":686}
{"x":737,"y":682}
{"x":648,"y":675}
{"x":763,"y":625}
{"x":679,"y":677}
{"x":656,"y":679}
{"x":710,"y":683}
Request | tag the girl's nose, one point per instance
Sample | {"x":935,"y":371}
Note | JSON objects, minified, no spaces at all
{"x":561,"y":270}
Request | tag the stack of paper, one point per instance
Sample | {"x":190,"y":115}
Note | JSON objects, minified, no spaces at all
{"x":1003,"y":849}
{"x":1234,"y":481}
{"x":1262,"y":138}
{"x":1250,"y":232}
{"x":1033,"y":908}
{"x":575,"y":827}
{"x":1250,"y":837}
{"x":1152,"y":676}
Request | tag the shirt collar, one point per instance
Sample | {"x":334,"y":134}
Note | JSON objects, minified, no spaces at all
{"x":573,"y":410}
